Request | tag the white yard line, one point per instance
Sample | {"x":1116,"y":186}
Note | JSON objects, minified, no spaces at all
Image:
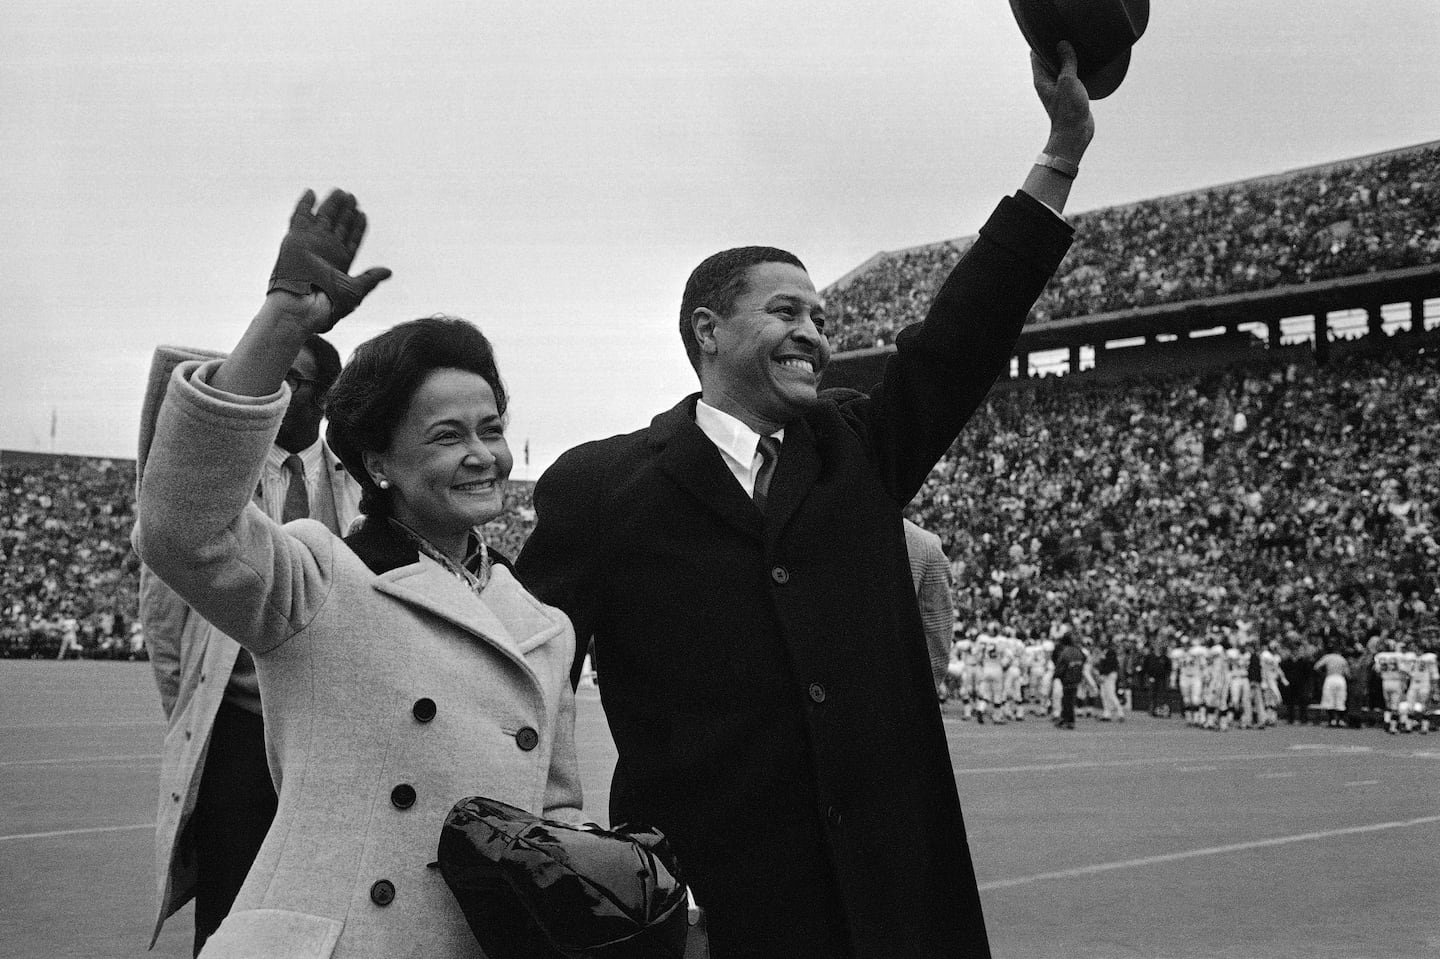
{"x":1080,"y":871}
{"x":96,"y":725}
{"x":76,"y":832}
{"x":77,"y":760}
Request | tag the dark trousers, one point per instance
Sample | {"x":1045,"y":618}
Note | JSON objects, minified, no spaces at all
{"x":1067,"y":703}
{"x":232,"y":814}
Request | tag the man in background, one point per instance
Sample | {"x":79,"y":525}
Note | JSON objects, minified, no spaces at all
{"x":930,"y":572}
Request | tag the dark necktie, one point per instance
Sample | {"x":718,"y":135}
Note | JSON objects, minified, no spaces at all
{"x":297,"y":500}
{"x":769,"y":449}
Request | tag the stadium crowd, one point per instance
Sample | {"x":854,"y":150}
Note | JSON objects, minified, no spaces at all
{"x":1343,"y":219}
{"x":67,"y":575}
{"x":1282,"y":503}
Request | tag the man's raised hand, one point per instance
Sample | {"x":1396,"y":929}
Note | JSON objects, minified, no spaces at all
{"x":315,"y":257}
{"x":1071,"y":124}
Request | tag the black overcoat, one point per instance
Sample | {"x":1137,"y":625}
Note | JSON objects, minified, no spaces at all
{"x":766,"y":678}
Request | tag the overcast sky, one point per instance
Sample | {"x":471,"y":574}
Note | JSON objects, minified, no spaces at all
{"x":553,"y":169}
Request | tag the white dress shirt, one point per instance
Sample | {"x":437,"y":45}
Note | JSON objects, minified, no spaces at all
{"x":275,"y":478}
{"x":738,"y":444}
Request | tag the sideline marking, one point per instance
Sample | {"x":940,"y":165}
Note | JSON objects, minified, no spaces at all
{"x":151,"y":722}
{"x":1362,"y":782}
{"x":1294,"y":752}
{"x":76,"y":832}
{"x":77,"y":759}
{"x":1079,"y":871}
{"x":1113,"y":763}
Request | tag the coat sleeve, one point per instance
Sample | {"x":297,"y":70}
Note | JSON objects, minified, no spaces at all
{"x":560,"y":562}
{"x":197,"y":529}
{"x":944,"y":366}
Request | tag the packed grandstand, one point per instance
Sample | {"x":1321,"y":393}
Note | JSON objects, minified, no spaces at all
{"x":1295,"y":498}
{"x":1345,"y":218}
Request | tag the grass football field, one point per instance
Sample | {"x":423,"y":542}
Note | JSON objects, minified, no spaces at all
{"x":1142,"y":839}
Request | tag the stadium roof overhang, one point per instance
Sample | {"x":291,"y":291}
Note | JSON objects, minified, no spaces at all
{"x":1343,"y":293}
{"x":860,"y":369}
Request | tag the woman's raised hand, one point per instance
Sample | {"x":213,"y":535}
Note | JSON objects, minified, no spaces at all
{"x":315,"y":257}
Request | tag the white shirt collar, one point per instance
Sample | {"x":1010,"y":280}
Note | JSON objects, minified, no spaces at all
{"x":736,"y":442}
{"x":310,"y":457}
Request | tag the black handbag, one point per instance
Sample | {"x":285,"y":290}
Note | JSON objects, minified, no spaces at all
{"x":534,"y":888}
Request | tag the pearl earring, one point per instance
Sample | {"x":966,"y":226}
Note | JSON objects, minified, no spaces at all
{"x":383,"y":484}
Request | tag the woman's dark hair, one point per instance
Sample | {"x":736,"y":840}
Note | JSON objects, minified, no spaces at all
{"x":374,"y":390}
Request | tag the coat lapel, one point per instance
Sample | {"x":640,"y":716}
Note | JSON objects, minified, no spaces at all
{"x":406,"y":576}
{"x":795,"y":475}
{"x":692,"y":461}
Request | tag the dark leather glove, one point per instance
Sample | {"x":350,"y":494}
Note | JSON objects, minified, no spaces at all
{"x":317,"y":252}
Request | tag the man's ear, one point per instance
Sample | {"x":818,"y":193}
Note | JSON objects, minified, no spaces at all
{"x":703,"y":322}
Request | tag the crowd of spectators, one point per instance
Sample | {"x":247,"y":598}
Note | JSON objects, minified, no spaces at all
{"x":65,"y":560}
{"x":1344,"y":219}
{"x":1293,"y":502}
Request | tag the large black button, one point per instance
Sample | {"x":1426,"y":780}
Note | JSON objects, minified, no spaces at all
{"x":817,"y":692}
{"x":402,"y":796}
{"x":382,"y":893}
{"x":424,"y":709}
{"x":527,"y":738}
{"x":780,"y":575}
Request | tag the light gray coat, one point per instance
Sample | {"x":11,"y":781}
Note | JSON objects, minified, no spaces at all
{"x":343,"y":654}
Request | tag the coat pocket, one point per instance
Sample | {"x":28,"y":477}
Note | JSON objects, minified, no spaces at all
{"x":273,"y":934}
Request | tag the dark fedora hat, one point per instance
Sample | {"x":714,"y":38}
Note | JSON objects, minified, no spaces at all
{"x":1102,"y":32}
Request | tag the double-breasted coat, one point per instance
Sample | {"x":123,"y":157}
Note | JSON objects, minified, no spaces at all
{"x":390,"y":690}
{"x":766,"y":677}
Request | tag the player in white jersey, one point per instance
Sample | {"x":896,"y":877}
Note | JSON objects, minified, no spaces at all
{"x":1393,"y":681}
{"x":990,"y":694}
{"x":954,"y":668}
{"x":1035,"y":660}
{"x":1216,"y":684}
{"x":1045,"y":703}
{"x":1175,"y":656}
{"x":1237,"y":688}
{"x":1190,"y":680}
{"x":1424,"y":680}
{"x":1012,"y":658}
{"x":971,"y":682}
{"x":1271,"y":679}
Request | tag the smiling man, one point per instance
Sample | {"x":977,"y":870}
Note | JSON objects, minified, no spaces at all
{"x":741,"y":567}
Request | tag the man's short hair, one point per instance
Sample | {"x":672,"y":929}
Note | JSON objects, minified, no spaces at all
{"x":327,"y":362}
{"x":717,"y":282}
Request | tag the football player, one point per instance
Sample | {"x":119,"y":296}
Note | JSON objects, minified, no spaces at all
{"x":1424,"y":680}
{"x":1393,"y":681}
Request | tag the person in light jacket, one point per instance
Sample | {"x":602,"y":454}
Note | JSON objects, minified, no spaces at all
{"x":402,"y":668}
